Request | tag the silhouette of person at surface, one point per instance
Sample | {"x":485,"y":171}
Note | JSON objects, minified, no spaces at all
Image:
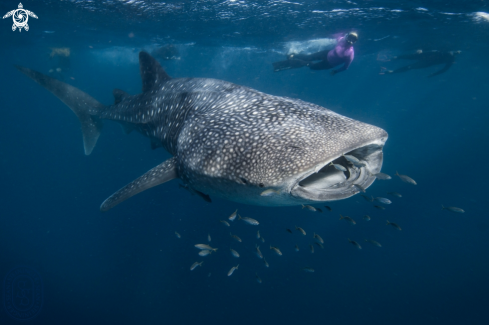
{"x":60,"y":61}
{"x":425,"y":60}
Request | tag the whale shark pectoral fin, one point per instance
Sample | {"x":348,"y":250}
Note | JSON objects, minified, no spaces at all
{"x":83,"y":105}
{"x":151,"y":72}
{"x":162,"y":173}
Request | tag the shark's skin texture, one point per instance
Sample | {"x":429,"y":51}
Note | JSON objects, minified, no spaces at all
{"x":231,"y":141}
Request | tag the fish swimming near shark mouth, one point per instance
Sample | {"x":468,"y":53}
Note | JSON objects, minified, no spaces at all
{"x":231,"y":141}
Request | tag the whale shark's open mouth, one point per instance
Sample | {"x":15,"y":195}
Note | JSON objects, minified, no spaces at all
{"x":327,"y":182}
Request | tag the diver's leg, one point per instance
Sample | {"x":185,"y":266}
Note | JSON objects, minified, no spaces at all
{"x":414,"y":56}
{"x":322,"y":55}
{"x":322,"y":65}
{"x":443,"y":70}
{"x":416,"y":65}
{"x":289,"y":64}
{"x":423,"y":64}
{"x":300,"y":60}
{"x":403,"y":69}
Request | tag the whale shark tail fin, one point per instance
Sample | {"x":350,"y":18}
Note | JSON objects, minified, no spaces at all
{"x":152,"y":74}
{"x":83,"y":105}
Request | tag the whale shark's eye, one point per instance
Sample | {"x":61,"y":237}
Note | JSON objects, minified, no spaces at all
{"x":261,"y":185}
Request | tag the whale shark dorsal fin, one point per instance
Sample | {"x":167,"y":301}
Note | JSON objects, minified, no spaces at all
{"x":151,"y":71}
{"x":119,"y":95}
{"x":162,"y":173}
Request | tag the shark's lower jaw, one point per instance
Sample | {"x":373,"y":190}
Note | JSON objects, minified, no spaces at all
{"x":329,"y":183}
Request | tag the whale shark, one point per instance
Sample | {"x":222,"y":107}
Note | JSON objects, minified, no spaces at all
{"x":232,"y":141}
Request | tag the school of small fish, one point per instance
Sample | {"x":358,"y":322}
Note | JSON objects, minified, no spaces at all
{"x":206,"y":250}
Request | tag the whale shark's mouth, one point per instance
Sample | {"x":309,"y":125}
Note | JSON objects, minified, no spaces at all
{"x":329,"y":183}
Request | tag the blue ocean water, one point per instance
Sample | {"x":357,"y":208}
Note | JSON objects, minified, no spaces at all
{"x":126,"y":266}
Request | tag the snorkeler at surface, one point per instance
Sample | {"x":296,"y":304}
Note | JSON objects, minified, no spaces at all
{"x":342,"y":54}
{"x":425,"y":60}
{"x":60,"y":61}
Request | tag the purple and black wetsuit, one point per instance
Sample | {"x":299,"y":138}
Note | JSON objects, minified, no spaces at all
{"x":343,"y":53}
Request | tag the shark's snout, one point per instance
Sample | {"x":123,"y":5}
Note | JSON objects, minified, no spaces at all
{"x":327,"y":183}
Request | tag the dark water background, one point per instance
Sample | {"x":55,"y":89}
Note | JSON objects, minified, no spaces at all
{"x":127,"y":267}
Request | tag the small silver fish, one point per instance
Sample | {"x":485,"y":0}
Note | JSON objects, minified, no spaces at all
{"x":394,"y":194}
{"x":233,"y":215}
{"x":328,"y":207}
{"x":338,"y":167}
{"x":209,"y":237}
{"x":258,"y":278}
{"x":382,"y":176}
{"x":205,"y":246}
{"x":225,"y":223}
{"x":258,"y":234}
{"x":379,"y":207}
{"x":367,"y":218}
{"x":249,"y":221}
{"x":234,"y":268}
{"x":357,"y":245}
{"x":269,"y":192}
{"x":373,"y":242}
{"x":318,"y":238}
{"x":309,"y":207}
{"x":350,"y":220}
{"x":235,"y":237}
{"x":266,"y":263}
{"x":395,"y":225}
{"x":235,"y":253}
{"x":178,"y":235}
{"x":368,"y":198}
{"x":406,"y":179}
{"x":195,"y":265}
{"x":204,"y":252}
{"x":258,"y":252}
{"x":308,"y":269}
{"x":312,"y":248}
{"x":296,"y":248}
{"x":383,"y":200}
{"x":354,"y":160}
{"x":453,"y":209}
{"x":301,"y":230}
{"x":276,"y":250}
{"x":360,"y":188}
{"x":262,"y":239}
{"x":319,"y":244}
